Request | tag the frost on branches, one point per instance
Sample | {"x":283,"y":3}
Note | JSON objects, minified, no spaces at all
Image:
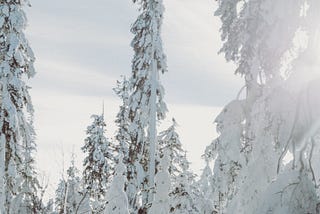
{"x":122,"y":135}
{"x":98,"y":162}
{"x":225,"y":150}
{"x":206,"y":188}
{"x":70,"y":196}
{"x":161,"y":203}
{"x":169,"y":142}
{"x":117,"y":201}
{"x":264,"y":163}
{"x":184,"y":191}
{"x":146,"y":104}
{"x":18,"y":183}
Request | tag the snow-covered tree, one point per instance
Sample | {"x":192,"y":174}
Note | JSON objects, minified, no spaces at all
{"x":161,"y":203}
{"x":71,"y":197}
{"x":116,"y":198}
{"x":18,"y":183}
{"x":226,"y":152}
{"x":260,"y":37}
{"x":122,"y":135}
{"x":98,"y":162}
{"x":290,"y":193}
{"x":256,"y":34}
{"x":146,"y":104}
{"x":184,"y":189}
{"x":60,"y":195}
{"x":169,"y":141}
{"x":206,"y":187}
{"x":123,"y":138}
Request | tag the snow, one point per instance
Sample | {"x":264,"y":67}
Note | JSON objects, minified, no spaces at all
{"x":117,"y":201}
{"x":257,"y":133}
{"x":161,"y":204}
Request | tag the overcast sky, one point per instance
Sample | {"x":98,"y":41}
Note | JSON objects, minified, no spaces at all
{"x":82,"y":48}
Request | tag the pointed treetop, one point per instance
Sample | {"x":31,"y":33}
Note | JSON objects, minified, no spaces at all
{"x":174,"y":122}
{"x":102,"y":108}
{"x":164,"y":161}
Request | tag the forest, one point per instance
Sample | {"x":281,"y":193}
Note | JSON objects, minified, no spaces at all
{"x":265,"y":159}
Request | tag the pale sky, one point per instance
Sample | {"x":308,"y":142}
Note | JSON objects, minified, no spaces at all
{"x":82,"y":48}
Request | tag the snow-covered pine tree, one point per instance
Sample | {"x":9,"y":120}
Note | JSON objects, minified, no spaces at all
{"x":98,"y":162}
{"x":18,"y":184}
{"x":122,"y":121}
{"x":226,"y":152}
{"x":169,"y":141}
{"x":71,"y":197}
{"x":123,"y":138}
{"x":161,"y":203}
{"x":258,"y":36}
{"x":49,"y":207}
{"x":206,"y":187}
{"x":59,"y":199}
{"x":116,"y":198}
{"x":292,"y":192}
{"x":146,"y":98}
{"x":184,"y":189}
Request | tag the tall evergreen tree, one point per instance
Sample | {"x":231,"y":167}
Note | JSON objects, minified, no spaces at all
{"x":71,"y":197}
{"x":206,"y":187}
{"x":226,"y":152}
{"x":169,"y":141}
{"x":146,"y":97}
{"x":122,"y":121}
{"x":98,"y":162}
{"x":258,"y":36}
{"x":18,"y":183}
{"x":123,"y":138}
{"x":184,"y":190}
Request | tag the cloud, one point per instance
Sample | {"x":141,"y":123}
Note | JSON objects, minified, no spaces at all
{"x":67,"y":78}
{"x":96,"y":35}
{"x":82,"y":33}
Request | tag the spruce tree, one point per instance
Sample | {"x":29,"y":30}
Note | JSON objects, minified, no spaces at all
{"x":18,"y":184}
{"x":98,"y":162}
{"x":169,"y":141}
{"x":206,"y":188}
{"x":184,"y":189}
{"x":146,"y":104}
{"x":122,"y":121}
